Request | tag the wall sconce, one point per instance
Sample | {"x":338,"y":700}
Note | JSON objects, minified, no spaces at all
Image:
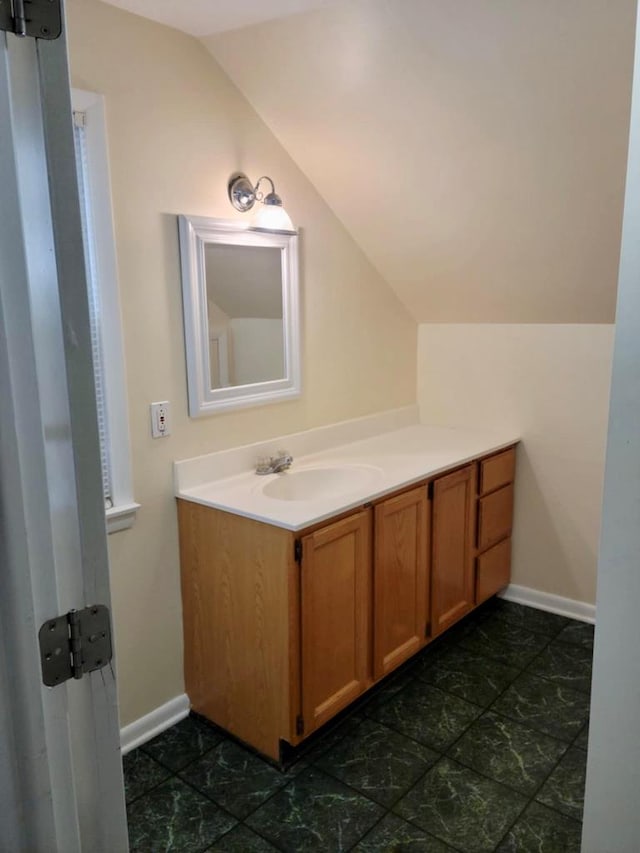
{"x":270,"y":215}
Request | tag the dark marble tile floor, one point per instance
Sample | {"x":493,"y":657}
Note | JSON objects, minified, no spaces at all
{"x":478,"y":744}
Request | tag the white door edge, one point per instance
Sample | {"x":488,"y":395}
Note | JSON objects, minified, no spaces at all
{"x":62,"y":769}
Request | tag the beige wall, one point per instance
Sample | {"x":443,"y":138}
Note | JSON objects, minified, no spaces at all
{"x":475,"y":149}
{"x":549,"y":383}
{"x":177,"y":130}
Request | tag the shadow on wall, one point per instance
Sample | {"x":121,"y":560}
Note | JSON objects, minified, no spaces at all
{"x":549,"y":541}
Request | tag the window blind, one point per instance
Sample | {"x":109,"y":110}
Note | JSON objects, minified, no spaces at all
{"x":79,"y":133}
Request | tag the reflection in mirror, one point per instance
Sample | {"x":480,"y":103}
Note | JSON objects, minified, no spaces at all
{"x":240,"y":299}
{"x":244,"y":310}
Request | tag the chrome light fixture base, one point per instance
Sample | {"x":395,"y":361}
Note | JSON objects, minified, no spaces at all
{"x":270,"y":215}
{"x":241,"y":192}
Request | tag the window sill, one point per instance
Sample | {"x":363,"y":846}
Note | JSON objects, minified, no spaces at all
{"x":121,"y":517}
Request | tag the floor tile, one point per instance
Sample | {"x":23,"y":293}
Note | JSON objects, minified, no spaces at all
{"x":508,"y":752}
{"x":242,"y":840}
{"x":182,"y":743}
{"x":509,"y":735}
{"x":470,"y":676}
{"x":529,"y":618}
{"x":578,"y":634}
{"x":507,"y":643}
{"x":333,"y":734}
{"x":551,"y":708}
{"x":541,"y":830}
{"x":564,"y":789}
{"x":439,"y":648}
{"x":316,"y":813}
{"x":235,"y":778}
{"x":565,"y":664}
{"x":428,"y":715}
{"x":394,"y":835}
{"x":378,"y":762}
{"x":388,"y":690}
{"x":583,"y":738}
{"x":174,"y":817}
{"x":461,"y":808}
{"x":141,"y":773}
{"x":452,"y":636}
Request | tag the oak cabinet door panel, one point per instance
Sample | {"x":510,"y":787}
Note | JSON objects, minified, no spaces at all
{"x":335,"y":624}
{"x":453,"y":533}
{"x":400,"y":578}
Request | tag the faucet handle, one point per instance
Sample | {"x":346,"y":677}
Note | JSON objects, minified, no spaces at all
{"x":263,"y":465}
{"x":283,"y":461}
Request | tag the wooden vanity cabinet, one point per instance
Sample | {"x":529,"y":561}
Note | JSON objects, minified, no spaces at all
{"x":400,"y":579}
{"x":335,"y":618}
{"x":495,"y":520}
{"x":493,"y":570}
{"x":357,"y":626}
{"x":283,"y":630}
{"x":277,"y":626}
{"x":453,"y":535}
{"x":241,"y":624}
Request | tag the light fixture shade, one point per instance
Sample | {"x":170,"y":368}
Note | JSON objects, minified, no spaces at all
{"x":269,"y":213}
{"x":271,"y":217}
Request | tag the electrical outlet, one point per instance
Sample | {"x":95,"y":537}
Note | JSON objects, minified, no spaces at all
{"x":160,"y":422}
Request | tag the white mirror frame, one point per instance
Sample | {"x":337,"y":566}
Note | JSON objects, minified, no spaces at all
{"x":195,"y":233}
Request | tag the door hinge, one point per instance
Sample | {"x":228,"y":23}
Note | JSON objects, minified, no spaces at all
{"x":41,"y":19}
{"x":430,"y":490}
{"x":299,"y":725}
{"x":297,"y":551}
{"x":427,"y":629}
{"x":78,"y":642}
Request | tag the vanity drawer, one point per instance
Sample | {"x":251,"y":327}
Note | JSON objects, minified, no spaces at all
{"x":493,"y":570}
{"x":497,"y":471}
{"x":495,"y":517}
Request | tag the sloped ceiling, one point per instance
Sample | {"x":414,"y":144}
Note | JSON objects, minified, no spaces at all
{"x":475,"y":149}
{"x":204,"y":17}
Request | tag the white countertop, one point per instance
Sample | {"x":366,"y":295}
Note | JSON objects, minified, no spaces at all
{"x":395,"y":459}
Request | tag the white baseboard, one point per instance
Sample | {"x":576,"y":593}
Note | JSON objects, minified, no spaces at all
{"x":142,"y":730}
{"x":553,"y":603}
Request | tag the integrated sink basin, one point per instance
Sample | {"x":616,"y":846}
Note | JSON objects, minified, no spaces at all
{"x":308,"y":484}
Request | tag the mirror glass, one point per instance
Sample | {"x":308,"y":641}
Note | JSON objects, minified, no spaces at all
{"x":240,"y":300}
{"x":244,"y":311}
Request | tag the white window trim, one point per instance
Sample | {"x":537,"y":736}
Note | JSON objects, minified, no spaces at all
{"x":122,"y":513}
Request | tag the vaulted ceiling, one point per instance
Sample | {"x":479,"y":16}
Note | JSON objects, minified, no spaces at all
{"x":475,"y":149}
{"x":204,"y":17}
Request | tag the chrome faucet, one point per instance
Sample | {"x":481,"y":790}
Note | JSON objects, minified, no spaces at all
{"x":274,"y":464}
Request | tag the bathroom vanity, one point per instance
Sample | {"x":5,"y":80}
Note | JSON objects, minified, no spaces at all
{"x":292,"y":610}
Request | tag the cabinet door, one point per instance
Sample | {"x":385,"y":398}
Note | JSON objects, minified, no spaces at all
{"x":335,"y":625}
{"x":400,"y":580}
{"x":453,"y":534}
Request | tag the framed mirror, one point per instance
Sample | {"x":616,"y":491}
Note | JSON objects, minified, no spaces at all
{"x":241,"y":316}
